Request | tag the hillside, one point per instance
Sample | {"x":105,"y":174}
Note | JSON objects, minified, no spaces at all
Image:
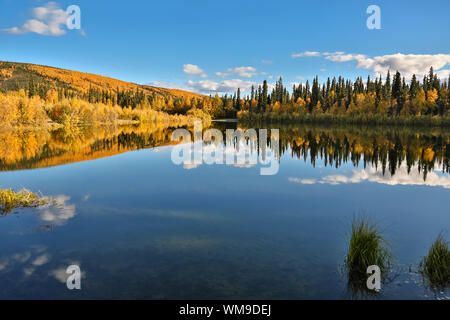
{"x":15,"y":75}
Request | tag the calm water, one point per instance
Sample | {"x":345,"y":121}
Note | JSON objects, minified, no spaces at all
{"x":142,"y":227}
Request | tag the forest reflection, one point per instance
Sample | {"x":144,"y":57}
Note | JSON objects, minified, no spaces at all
{"x":21,"y":150}
{"x":385,"y":149}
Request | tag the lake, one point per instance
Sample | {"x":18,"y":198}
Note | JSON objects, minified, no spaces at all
{"x":142,"y":227}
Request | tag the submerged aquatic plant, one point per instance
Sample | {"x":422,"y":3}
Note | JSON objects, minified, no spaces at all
{"x":367,"y":247}
{"x":10,"y":200}
{"x":435,"y":267}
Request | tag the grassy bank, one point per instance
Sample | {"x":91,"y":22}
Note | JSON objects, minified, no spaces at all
{"x":360,"y":119}
{"x":10,"y":200}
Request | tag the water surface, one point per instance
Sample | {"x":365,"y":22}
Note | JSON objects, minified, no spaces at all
{"x":142,"y":227}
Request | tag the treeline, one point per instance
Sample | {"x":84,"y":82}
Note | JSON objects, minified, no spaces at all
{"x":202,"y":106}
{"x":28,"y":110}
{"x":388,"y":101}
{"x":341,"y":98}
{"x":124,"y":98}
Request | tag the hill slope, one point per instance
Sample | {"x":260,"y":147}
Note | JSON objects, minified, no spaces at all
{"x":15,"y":75}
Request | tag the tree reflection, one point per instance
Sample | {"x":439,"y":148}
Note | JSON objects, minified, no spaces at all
{"x":384,"y":149}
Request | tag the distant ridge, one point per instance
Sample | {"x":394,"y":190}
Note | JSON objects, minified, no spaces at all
{"x":14,"y":74}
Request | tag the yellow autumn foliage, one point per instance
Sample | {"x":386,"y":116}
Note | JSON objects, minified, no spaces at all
{"x":428,"y":155}
{"x":18,"y":110}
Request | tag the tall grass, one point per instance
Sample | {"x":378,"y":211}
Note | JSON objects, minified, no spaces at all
{"x":367,"y":247}
{"x":435,"y":267}
{"x":10,"y":200}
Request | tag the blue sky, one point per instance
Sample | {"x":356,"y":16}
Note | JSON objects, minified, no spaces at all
{"x":209,"y":46}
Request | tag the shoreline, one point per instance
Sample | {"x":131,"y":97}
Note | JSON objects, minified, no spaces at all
{"x":402,"y":121}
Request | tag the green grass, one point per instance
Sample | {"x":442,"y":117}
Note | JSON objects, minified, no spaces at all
{"x":10,"y":200}
{"x":359,"y":119}
{"x":367,"y":247}
{"x":435,"y":267}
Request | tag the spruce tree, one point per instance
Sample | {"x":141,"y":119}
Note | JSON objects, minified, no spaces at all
{"x":397,"y":86}
{"x":387,"y":87}
{"x":414,"y":88}
{"x":264,"y":96}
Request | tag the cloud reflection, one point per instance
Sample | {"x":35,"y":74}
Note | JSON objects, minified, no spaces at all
{"x":28,"y":261}
{"x":59,"y":212}
{"x":61,"y":274}
{"x":401,"y":177}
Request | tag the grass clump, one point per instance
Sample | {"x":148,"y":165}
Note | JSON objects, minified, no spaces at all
{"x":367,"y":247}
{"x":435,"y":267}
{"x":10,"y":200}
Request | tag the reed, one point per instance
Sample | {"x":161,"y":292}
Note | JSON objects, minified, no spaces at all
{"x":435,"y":266}
{"x":367,"y":247}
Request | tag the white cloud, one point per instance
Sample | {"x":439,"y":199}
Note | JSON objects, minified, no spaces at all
{"x":297,"y":84}
{"x":167,"y":85}
{"x":192,"y":69}
{"x":306,"y":54}
{"x":271,"y":86}
{"x":302,"y":181}
{"x":406,"y":64}
{"x":443,"y":74}
{"x":246,"y":72}
{"x":226,"y":86}
{"x":342,"y":57}
{"x":221,"y":74}
{"x":47,"y":20}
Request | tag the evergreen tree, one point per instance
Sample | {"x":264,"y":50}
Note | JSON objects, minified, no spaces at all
{"x":387,"y":87}
{"x":414,"y":88}
{"x":397,"y":86}
{"x":264,"y":96}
